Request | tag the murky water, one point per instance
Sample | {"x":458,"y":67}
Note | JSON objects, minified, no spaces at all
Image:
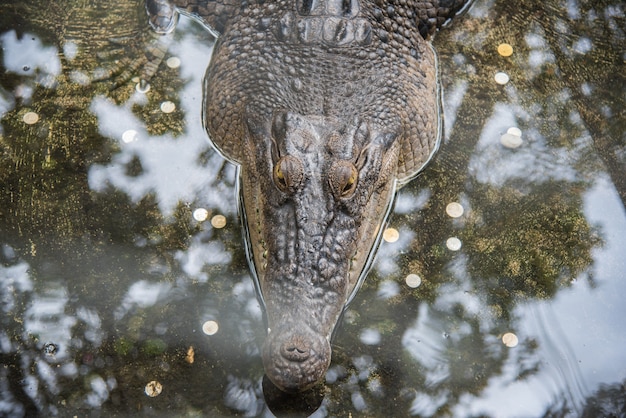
{"x":124,"y":287}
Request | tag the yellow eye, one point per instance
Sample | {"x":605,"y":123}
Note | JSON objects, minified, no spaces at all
{"x":278,"y":172}
{"x":350,"y":182}
{"x":342,"y":178}
{"x":288,"y":173}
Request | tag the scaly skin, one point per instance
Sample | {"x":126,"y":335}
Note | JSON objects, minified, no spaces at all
{"x":327,"y":106}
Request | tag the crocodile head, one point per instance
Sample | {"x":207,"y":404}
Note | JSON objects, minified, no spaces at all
{"x":315,"y":192}
{"x":322,"y":128}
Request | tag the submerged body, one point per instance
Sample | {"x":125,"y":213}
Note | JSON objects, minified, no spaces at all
{"x":327,"y":106}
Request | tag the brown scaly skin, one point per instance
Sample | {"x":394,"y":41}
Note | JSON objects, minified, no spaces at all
{"x":327,"y":106}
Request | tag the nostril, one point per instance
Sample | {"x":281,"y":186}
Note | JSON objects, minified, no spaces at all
{"x":295,"y":348}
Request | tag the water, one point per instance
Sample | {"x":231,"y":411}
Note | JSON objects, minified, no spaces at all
{"x":115,"y":287}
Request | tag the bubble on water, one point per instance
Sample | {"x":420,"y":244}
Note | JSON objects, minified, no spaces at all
{"x":514,"y":131}
{"x":454,"y":209}
{"x":200,"y":214}
{"x":210,"y":327}
{"x":173,"y":62}
{"x":30,"y":118}
{"x":453,"y":244}
{"x":218,"y":221}
{"x":168,"y":107}
{"x":391,"y":235}
{"x":511,"y":141}
{"x":510,"y":340}
{"x":142,"y":86}
{"x":153,"y":388}
{"x":129,"y":136}
{"x":413,"y":280}
{"x":501,"y":78}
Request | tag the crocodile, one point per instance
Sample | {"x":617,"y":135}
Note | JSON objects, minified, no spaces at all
{"x":327,"y":107}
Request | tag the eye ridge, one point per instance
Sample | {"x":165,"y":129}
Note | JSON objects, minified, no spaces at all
{"x":288,"y":173}
{"x":343,"y":178}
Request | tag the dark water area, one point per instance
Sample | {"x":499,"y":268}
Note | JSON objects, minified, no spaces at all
{"x":498,"y":291}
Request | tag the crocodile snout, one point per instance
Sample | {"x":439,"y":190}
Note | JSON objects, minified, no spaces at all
{"x":295,"y":361}
{"x":295,"y":348}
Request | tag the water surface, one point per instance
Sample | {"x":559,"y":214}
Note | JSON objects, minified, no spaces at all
{"x":124,"y":287}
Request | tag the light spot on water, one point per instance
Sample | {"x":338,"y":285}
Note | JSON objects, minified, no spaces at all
{"x":153,"y":388}
{"x":30,"y":118}
{"x":501,"y":78}
{"x":168,"y":107}
{"x":218,"y":221}
{"x":391,"y":235}
{"x":210,"y":327}
{"x":129,"y":136}
{"x":413,"y":280}
{"x":189,"y":358}
{"x":510,"y":140}
{"x":514,"y":131}
{"x":453,"y":244}
{"x":173,"y":62}
{"x":142,"y":87}
{"x":505,"y":50}
{"x":200,"y":214}
{"x":510,"y":340}
{"x":454,"y":209}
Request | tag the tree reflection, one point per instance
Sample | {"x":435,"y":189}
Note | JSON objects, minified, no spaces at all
{"x":125,"y":285}
{"x":527,"y":246}
{"x":608,"y":401}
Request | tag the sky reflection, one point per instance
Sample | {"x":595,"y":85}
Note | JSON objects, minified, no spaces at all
{"x":28,"y":56}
